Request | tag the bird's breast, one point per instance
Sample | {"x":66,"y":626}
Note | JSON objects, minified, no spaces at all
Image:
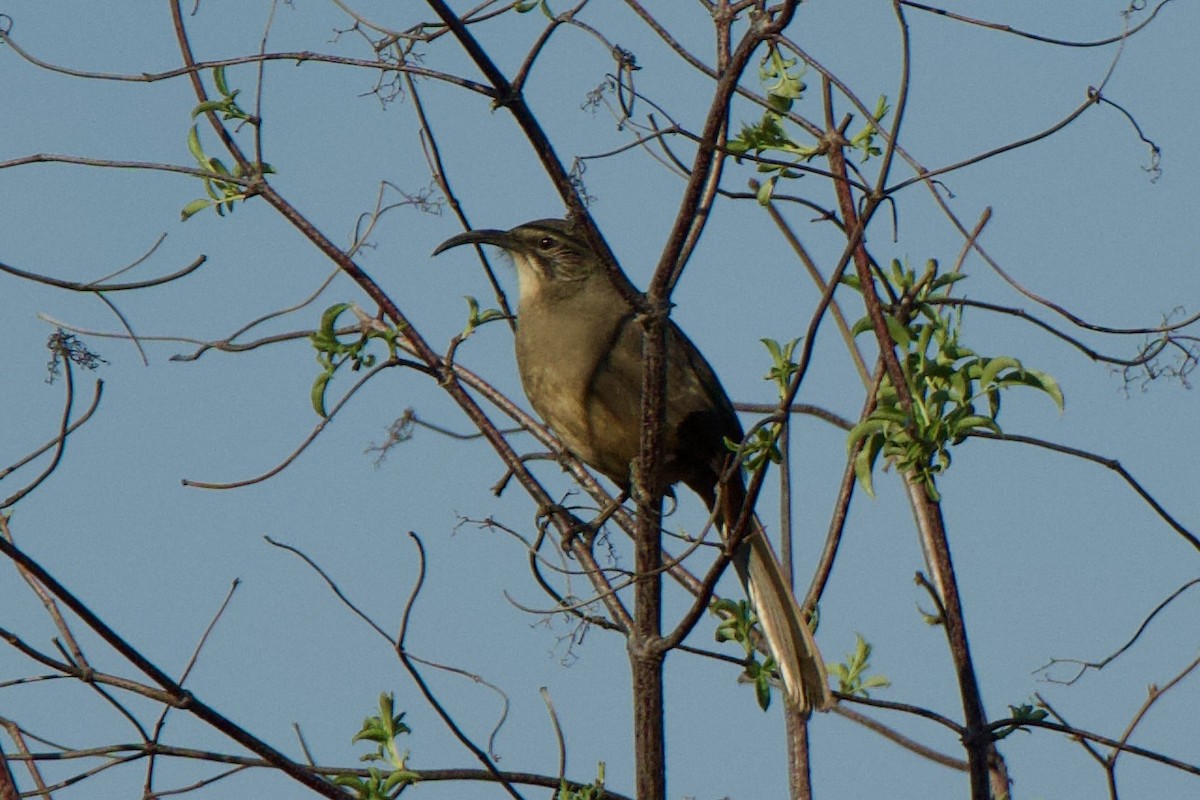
{"x":558,"y":353}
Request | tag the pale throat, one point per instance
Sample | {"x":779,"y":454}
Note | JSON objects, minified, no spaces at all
{"x":529,"y":279}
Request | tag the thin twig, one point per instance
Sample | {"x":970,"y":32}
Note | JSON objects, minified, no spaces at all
{"x":405,"y":658}
{"x":1110,"y":463}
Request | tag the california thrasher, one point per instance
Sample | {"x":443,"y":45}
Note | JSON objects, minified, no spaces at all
{"x":579,"y":352}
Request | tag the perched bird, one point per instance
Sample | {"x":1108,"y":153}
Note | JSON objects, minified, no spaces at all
{"x":579,"y":352}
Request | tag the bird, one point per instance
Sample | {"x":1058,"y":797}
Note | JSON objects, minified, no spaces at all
{"x":579,"y":355}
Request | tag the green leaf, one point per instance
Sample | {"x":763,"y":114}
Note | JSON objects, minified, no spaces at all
{"x":988,"y":376}
{"x":1043,"y":381}
{"x":864,"y":463}
{"x":946,"y":280}
{"x":783,"y":365}
{"x":965,"y":425}
{"x":723,"y":606}
{"x":787,"y":86}
{"x":881,"y":108}
{"x":219,"y":80}
{"x":864,"y":428}
{"x":218,"y":166}
{"x":890,"y":413}
{"x":898,"y":331}
{"x":762,"y":691}
{"x":329,"y":317}
{"x":317,"y":394}
{"x":193,"y":143}
{"x":1021,"y":714}
{"x":194,"y":207}
{"x":211,"y":191}
{"x":475,"y":317}
{"x":780,"y":104}
{"x":851,"y":673}
{"x":931,"y":488}
{"x":766,"y":190}
{"x":209,"y":105}
{"x":924,"y":335}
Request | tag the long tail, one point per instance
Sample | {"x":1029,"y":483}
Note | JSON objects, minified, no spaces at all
{"x":787,"y":634}
{"x":789,"y":639}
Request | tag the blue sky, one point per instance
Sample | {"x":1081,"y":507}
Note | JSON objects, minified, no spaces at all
{"x":1057,"y":558}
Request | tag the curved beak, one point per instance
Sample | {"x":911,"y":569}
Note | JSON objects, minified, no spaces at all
{"x":482,"y":236}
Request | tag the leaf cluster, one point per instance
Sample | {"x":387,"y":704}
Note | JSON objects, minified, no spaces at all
{"x":762,"y":445}
{"x":225,"y":187}
{"x":946,"y":381}
{"x":864,"y":140}
{"x":782,"y":81}
{"x":525,"y":6}
{"x":1021,"y":714}
{"x":590,"y":791}
{"x":383,"y":729}
{"x":737,"y":622}
{"x":851,"y":673}
{"x":332,"y":352}
{"x":477,"y":316}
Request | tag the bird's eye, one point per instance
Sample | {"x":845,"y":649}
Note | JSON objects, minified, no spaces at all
{"x":545,"y":243}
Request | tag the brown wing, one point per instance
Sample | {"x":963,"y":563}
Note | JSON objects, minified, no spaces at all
{"x":700,"y":417}
{"x":699,"y":413}
{"x":705,"y":420}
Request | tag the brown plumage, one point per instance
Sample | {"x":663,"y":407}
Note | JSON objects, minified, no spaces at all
{"x":579,"y":352}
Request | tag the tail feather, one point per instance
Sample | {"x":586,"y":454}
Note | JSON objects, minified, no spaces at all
{"x":787,"y":634}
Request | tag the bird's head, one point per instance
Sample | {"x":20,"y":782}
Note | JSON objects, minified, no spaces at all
{"x":549,"y":254}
